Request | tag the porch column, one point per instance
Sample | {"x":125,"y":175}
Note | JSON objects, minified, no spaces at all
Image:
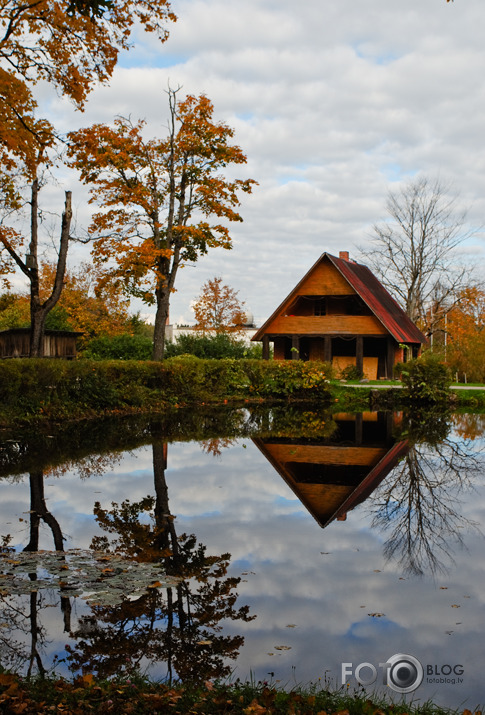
{"x":390,"y":358}
{"x":265,"y":347}
{"x":295,"y":343}
{"x":359,"y":354}
{"x":359,"y":420}
{"x":327,"y":348}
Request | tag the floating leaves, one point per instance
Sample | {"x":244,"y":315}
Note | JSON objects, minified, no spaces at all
{"x":282,"y":647}
{"x":100,"y":579}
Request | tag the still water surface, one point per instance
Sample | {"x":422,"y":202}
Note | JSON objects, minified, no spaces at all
{"x":318,"y":541}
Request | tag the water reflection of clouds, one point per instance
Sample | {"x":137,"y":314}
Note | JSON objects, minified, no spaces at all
{"x":327,"y":596}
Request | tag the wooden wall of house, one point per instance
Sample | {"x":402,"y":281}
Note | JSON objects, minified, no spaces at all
{"x":326,"y":325}
{"x":59,"y":346}
{"x":16,"y":344}
{"x":326,"y":454}
{"x":325,"y":280}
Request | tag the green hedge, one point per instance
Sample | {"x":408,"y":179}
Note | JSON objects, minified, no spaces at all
{"x":69,"y":389}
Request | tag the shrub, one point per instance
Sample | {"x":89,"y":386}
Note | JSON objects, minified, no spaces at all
{"x":351,"y":372}
{"x":119,"y":347}
{"x":215,"y":347}
{"x":426,"y":379}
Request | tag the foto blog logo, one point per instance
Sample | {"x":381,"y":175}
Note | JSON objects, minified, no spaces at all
{"x":401,"y":672}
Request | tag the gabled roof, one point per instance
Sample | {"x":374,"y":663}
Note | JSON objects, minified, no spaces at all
{"x":322,"y":505}
{"x":374,"y":295}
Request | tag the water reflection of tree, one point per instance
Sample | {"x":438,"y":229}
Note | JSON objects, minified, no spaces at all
{"x":418,"y":505}
{"x":180,"y":625}
{"x":22,"y":614}
{"x":18,"y":616}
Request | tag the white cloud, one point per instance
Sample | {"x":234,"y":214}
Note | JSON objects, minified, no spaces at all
{"x":332,"y":103}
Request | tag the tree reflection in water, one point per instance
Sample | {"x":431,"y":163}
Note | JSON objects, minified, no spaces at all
{"x":180,"y":625}
{"x":417,"y":505}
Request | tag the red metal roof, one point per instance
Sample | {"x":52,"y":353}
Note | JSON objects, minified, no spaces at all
{"x":373,"y":293}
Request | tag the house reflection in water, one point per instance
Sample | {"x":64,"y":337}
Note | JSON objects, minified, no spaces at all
{"x":332,"y":475}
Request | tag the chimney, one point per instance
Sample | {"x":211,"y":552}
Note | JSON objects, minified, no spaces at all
{"x":344,"y":255}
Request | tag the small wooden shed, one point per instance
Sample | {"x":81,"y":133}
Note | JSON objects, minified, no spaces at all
{"x":15,"y":343}
{"x":340,"y":313}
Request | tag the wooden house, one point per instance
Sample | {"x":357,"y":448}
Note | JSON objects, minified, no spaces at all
{"x":340,"y":313}
{"x":56,"y":344}
{"x":333,"y":476}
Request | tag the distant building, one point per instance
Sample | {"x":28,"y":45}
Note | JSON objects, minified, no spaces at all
{"x":15,"y":343}
{"x":246,"y":332}
{"x":340,"y":313}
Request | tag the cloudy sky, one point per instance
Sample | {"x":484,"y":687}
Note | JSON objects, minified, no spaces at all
{"x":334,"y":103}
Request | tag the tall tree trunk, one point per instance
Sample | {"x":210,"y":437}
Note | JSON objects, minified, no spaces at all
{"x":160,"y":328}
{"x":39,"y":311}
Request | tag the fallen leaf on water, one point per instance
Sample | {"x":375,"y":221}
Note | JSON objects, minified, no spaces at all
{"x":291,"y":625}
{"x":282,"y":647}
{"x":455,"y":605}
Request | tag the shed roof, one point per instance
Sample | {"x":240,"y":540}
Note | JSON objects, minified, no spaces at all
{"x":372,"y":292}
{"x":25,"y":331}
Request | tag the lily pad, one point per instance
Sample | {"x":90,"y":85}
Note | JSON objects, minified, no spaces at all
{"x":100,"y":578}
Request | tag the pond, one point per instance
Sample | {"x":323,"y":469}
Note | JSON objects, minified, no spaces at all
{"x":283,"y":544}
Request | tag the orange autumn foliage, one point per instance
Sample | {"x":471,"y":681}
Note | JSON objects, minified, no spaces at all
{"x":89,"y":308}
{"x":52,"y":40}
{"x":164,"y":201}
{"x":466,"y":335}
{"x":218,"y":309}
{"x":83,"y":305}
{"x":73,"y":46}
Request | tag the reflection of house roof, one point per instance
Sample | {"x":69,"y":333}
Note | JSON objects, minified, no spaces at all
{"x":372,"y":292}
{"x":331,"y":480}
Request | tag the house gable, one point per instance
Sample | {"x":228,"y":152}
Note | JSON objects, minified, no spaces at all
{"x":356,"y":304}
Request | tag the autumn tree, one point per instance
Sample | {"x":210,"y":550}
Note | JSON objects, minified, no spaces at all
{"x":19,"y":250}
{"x":218,"y":308}
{"x":413,"y":252}
{"x":164,"y":201}
{"x":73,"y":46}
{"x":88,"y":307}
{"x":465,"y":331}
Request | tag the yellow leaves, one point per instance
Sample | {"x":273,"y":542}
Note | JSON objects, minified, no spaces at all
{"x":255,"y":709}
{"x":9,"y":682}
{"x":86,"y":679}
